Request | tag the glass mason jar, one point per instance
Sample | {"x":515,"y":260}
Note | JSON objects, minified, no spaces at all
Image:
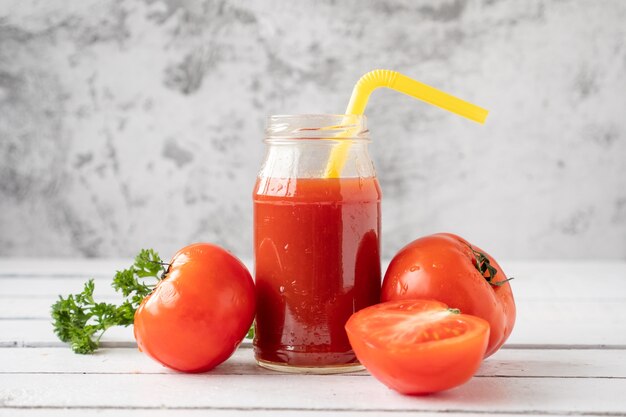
{"x":316,"y":242}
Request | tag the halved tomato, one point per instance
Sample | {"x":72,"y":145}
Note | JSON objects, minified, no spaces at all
{"x":418,"y":346}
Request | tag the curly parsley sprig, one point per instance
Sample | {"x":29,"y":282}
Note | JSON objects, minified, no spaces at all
{"x":81,"y":321}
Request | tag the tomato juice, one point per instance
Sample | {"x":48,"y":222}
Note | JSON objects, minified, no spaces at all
{"x":317,"y":261}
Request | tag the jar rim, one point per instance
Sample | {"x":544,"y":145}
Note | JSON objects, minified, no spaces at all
{"x":317,"y":126}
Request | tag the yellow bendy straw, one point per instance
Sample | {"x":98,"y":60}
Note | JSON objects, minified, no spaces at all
{"x":399,"y":82}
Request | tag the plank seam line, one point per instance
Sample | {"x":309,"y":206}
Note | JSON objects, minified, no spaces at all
{"x":25,"y":318}
{"x":55,"y":297}
{"x":56,"y":276}
{"x":288,"y":375}
{"x":339,"y":410}
{"x":248,"y":345}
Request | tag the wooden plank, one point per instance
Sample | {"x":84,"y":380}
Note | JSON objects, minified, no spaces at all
{"x":520,"y":363}
{"x":52,"y":287}
{"x":544,"y":323}
{"x":38,"y":333}
{"x":561,"y":363}
{"x":569,"y":322}
{"x":533,"y":280}
{"x":551,"y":269}
{"x":309,"y":392}
{"x":566,"y":318}
{"x":38,"y":307}
{"x":188,"y":412}
{"x":77,"y":267}
{"x":68,"y":267}
{"x":550,"y":280}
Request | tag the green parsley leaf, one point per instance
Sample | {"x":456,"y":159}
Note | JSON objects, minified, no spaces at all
{"x":80,"y":321}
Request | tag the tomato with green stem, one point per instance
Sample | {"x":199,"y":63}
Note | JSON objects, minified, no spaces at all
{"x":200,"y":311}
{"x":447,"y":268}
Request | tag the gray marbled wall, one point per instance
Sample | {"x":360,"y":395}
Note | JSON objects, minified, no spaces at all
{"x":129,"y":124}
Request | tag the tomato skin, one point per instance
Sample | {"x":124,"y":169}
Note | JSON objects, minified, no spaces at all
{"x":199,"y":313}
{"x":415,"y":368}
{"x":441,"y":267}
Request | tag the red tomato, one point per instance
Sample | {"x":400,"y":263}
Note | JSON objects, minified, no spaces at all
{"x":447,"y":268}
{"x":199,"y":313}
{"x":418,"y":346}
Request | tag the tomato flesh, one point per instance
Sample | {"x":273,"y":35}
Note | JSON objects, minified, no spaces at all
{"x":418,"y":346}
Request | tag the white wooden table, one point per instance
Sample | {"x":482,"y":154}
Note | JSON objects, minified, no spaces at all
{"x":566,"y":356}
